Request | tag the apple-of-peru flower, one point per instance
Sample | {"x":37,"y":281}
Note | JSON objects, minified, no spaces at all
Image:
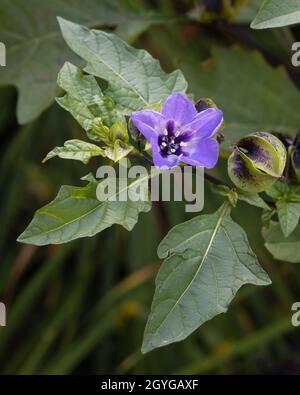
{"x":179,"y":133}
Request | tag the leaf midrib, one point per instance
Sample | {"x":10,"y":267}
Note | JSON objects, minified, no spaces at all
{"x":132,"y":88}
{"x":215,"y":230}
{"x":85,"y":214}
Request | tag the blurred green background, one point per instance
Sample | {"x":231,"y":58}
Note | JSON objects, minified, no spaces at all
{"x":81,"y":308}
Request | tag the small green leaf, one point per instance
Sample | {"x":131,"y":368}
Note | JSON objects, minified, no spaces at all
{"x":267,"y":216}
{"x":134,"y":78}
{"x":118,"y":151}
{"x":118,"y":131}
{"x":224,"y":190}
{"x":283,"y":190}
{"x":277,"y":13}
{"x":288,"y":215}
{"x":253,"y":199}
{"x":77,"y":150}
{"x":207,"y":260}
{"x":282,"y":248}
{"x":76,"y":212}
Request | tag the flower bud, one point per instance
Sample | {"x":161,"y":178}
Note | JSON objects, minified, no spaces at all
{"x":202,"y":105}
{"x":294,"y":151}
{"x":256,"y":162}
{"x":99,"y":131}
{"x":295,"y":159}
{"x":205,"y":103}
{"x":211,"y":10}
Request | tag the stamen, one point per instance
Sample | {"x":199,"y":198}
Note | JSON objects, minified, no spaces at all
{"x":165,"y":132}
{"x":163,"y":144}
{"x":183,"y":144}
{"x":173,"y":150}
{"x":177,"y":133}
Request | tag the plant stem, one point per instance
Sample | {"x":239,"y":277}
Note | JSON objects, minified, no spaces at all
{"x":215,"y":180}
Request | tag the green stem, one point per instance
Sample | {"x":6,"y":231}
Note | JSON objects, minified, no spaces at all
{"x":215,"y":180}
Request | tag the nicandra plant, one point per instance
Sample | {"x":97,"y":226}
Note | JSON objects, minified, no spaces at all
{"x":145,"y":113}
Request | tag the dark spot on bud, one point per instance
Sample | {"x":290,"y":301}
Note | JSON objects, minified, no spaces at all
{"x":213,"y":5}
{"x":137,"y":135}
{"x":254,"y":151}
{"x":296,"y":142}
{"x":220,"y":138}
{"x":202,"y":105}
{"x":216,"y":5}
{"x":240,"y":169}
{"x":284,"y":138}
{"x":296,"y":158}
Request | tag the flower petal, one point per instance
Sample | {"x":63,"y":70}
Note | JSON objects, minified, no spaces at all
{"x":150,"y":123}
{"x":179,"y":108}
{"x":206,"y":123}
{"x":163,"y":162}
{"x":205,"y":153}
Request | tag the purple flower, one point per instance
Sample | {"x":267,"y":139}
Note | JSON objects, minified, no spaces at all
{"x":179,"y":133}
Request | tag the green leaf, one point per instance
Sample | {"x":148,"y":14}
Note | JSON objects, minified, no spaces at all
{"x":76,"y":212}
{"x":86,"y":102}
{"x":288,"y":214}
{"x":252,"y":95}
{"x":207,"y":260}
{"x":282,"y":248}
{"x":36,"y":50}
{"x":77,"y":150}
{"x":287,"y":197}
{"x":134,"y":78}
{"x":267,"y":216}
{"x":284,"y":190}
{"x":253,"y":199}
{"x":276,"y":13}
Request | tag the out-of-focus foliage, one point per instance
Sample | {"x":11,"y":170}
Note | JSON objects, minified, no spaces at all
{"x":82,"y":307}
{"x":260,"y":96}
{"x":36,"y":51}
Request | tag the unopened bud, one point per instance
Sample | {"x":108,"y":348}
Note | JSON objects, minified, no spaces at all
{"x":257,"y":161}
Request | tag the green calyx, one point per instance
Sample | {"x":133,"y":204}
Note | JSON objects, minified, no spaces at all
{"x":257,"y":161}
